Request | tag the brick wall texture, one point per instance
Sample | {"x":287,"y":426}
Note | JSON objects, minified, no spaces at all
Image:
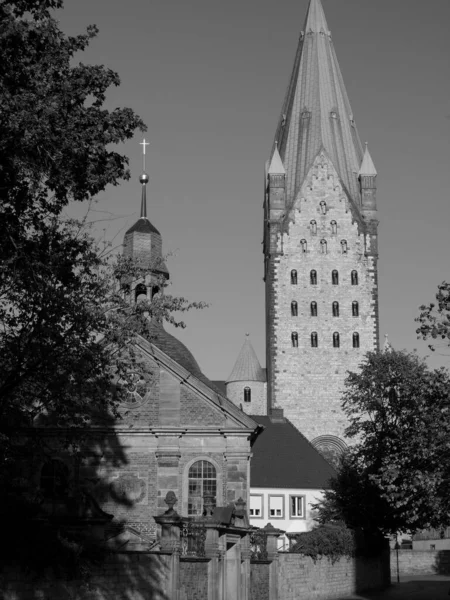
{"x":300,"y":577}
{"x":193,"y":581}
{"x":259,"y":581}
{"x":305,"y":381}
{"x":420,"y":562}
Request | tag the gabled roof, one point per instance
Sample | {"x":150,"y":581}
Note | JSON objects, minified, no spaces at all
{"x":143,"y":225}
{"x":247,"y":367}
{"x":316,"y":113}
{"x":284,"y":458}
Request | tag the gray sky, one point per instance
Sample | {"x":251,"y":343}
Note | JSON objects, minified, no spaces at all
{"x":209,"y":79}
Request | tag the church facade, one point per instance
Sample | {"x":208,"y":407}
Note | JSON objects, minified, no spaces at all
{"x":320,"y":248}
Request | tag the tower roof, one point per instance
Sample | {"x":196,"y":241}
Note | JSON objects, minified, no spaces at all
{"x":367,"y":167}
{"x":276,"y":164}
{"x":247,"y":367}
{"x":316,"y":112}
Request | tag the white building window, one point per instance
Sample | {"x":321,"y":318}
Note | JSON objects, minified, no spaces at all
{"x":297,"y":510}
{"x":276,"y":507}
{"x":256,"y":506}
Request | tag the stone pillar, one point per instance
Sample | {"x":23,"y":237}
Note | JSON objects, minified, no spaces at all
{"x":170,"y":524}
{"x":237,"y":465}
{"x":272,"y":554}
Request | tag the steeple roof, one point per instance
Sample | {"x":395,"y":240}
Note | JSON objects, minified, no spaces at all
{"x":276,"y":164}
{"x":247,"y":367}
{"x":367,"y":167}
{"x":316,"y":113}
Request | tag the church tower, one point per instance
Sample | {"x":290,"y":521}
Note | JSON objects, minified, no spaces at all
{"x":320,"y":244}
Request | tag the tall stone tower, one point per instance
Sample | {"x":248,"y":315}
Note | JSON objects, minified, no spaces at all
{"x":320,"y":244}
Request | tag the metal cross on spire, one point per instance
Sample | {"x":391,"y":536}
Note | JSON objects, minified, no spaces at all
{"x":144,"y":144}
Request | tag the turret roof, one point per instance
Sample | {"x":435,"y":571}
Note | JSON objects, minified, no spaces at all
{"x":276,"y":164}
{"x":367,"y":166}
{"x":143,"y":225}
{"x":316,"y":114}
{"x":247,"y":367}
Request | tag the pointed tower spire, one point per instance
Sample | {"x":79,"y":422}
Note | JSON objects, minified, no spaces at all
{"x":247,"y":367}
{"x":276,"y":165}
{"x":367,"y":168}
{"x":316,"y":114}
{"x":144,"y":180}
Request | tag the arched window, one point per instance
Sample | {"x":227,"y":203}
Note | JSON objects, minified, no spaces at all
{"x":355,"y":309}
{"x":344,"y":246}
{"x":247,"y":394}
{"x":314,"y":309}
{"x":294,"y":338}
{"x":313,"y":227}
{"x":294,"y":277}
{"x":202,"y":480}
{"x":313,"y":277}
{"x":323,"y":246}
{"x":354,"y":277}
{"x":304,"y":246}
{"x":323,"y":207}
{"x":336,"y":340}
{"x":155,"y":290}
{"x":333,"y":227}
{"x":335,"y":309}
{"x":140,"y":292}
{"x":356,"y":340}
{"x":334,"y":277}
{"x":294,"y":308}
{"x":314,"y":340}
{"x":54,"y":480}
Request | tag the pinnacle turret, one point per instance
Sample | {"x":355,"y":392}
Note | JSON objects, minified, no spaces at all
{"x":367,"y":168}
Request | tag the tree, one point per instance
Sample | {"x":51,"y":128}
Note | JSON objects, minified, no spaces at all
{"x":397,"y":475}
{"x":434,"y":319}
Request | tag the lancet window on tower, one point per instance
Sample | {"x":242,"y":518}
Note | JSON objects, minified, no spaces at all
{"x":356,"y":340}
{"x":336,"y":340}
{"x":314,"y":309}
{"x":313,"y":277}
{"x":355,"y":309}
{"x":247,"y":394}
{"x":294,"y":308}
{"x":294,"y":277}
{"x":140,"y":292}
{"x":294,"y":339}
{"x":304,"y":246}
{"x":335,"y":277}
{"x":344,"y":247}
{"x":354,"y":277}
{"x":313,"y":225}
{"x":335,"y":306}
{"x":333,"y":227}
{"x":323,"y":207}
{"x":314,"y":339}
{"x":323,"y":246}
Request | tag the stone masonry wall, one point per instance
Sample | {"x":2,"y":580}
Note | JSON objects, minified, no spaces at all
{"x":308,"y":382}
{"x":258,"y":402}
{"x":420,"y":562}
{"x":300,"y":577}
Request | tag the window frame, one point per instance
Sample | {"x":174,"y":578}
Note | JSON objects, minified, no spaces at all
{"x":313,"y":277}
{"x":294,"y":339}
{"x":354,"y":277}
{"x":282,"y":496}
{"x":313,"y":225}
{"x":294,"y":277}
{"x":336,"y":339}
{"x":186,"y":478}
{"x":335,"y":308}
{"x":313,"y":309}
{"x":304,"y":246}
{"x":247,"y":392}
{"x":355,"y":308}
{"x":303,"y":500}
{"x":323,"y":246}
{"x":314,"y":337}
{"x":334,"y":277}
{"x":294,"y":308}
{"x":262,"y":506}
{"x":356,"y":338}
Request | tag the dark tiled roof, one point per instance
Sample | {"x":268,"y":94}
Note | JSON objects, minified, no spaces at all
{"x":143,"y":225}
{"x":178,"y":352}
{"x":221,"y":386}
{"x":283,"y":458}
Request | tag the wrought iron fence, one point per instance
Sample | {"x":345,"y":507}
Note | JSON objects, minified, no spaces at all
{"x":193,"y":538}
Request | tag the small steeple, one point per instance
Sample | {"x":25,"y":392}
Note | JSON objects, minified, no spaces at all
{"x":144,"y":180}
{"x":367,"y":168}
{"x":276,"y":164}
{"x":247,"y":367}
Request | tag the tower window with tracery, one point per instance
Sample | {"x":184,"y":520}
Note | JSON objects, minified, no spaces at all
{"x":314,"y":339}
{"x":140,"y":292}
{"x":294,"y":277}
{"x":336,"y":340}
{"x":314,"y":309}
{"x":354,"y":277}
{"x":294,"y":339}
{"x":355,"y":309}
{"x":333,"y":227}
{"x":313,"y":225}
{"x":202,"y":480}
{"x":344,"y":247}
{"x":335,"y":309}
{"x":335,"y":277}
{"x":313,"y":277}
{"x":294,"y":308}
{"x":356,"y":340}
{"x":323,"y":246}
{"x":304,"y":245}
{"x":323,"y":207}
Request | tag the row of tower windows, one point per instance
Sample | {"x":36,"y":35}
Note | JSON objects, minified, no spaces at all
{"x":324,"y":246}
{"x":313,"y":225}
{"x":315,"y":340}
{"x":334,"y":277}
{"x":334,"y":308}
